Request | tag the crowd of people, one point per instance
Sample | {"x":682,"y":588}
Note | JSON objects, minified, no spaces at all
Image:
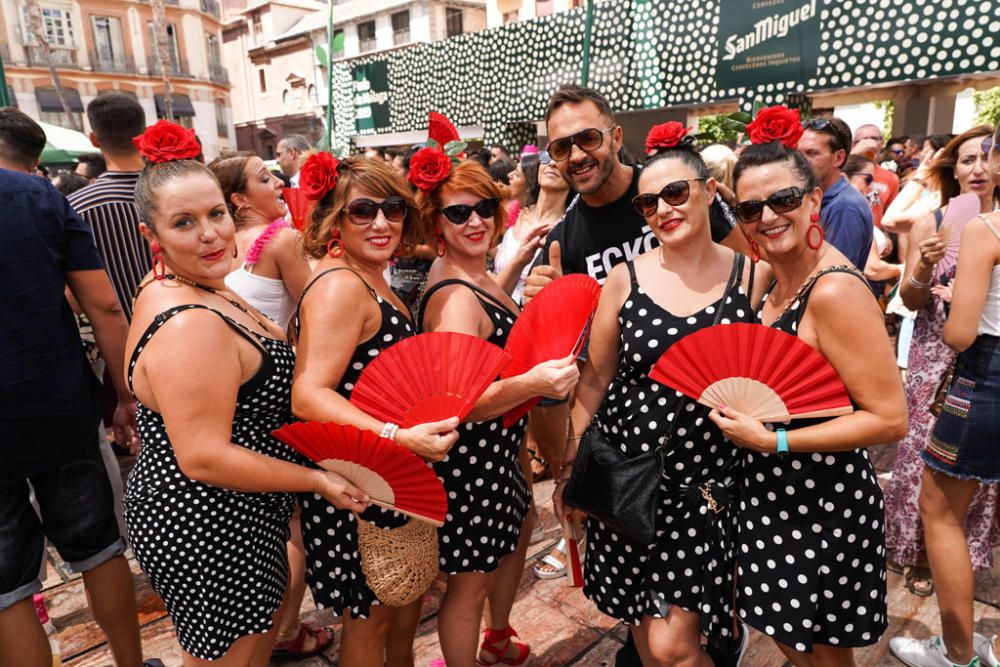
{"x":174,"y":306}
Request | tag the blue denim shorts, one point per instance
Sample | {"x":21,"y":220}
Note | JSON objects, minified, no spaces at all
{"x":77,"y":516}
{"x":965,"y":442}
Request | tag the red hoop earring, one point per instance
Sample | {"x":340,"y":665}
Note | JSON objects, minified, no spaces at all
{"x":440,"y":246}
{"x":810,"y":233}
{"x":400,"y":250}
{"x":159,"y":266}
{"x":754,"y":251}
{"x":335,"y":248}
{"x":236,"y":251}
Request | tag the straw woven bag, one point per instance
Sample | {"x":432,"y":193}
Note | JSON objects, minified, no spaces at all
{"x":401,"y":563}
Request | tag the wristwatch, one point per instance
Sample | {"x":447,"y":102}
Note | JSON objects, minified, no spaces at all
{"x":782,"y":450}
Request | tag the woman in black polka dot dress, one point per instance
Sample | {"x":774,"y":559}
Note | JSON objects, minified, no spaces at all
{"x":679,"y":588}
{"x":811,"y":547}
{"x":483,"y":542}
{"x":348,"y":315}
{"x":206,"y":502}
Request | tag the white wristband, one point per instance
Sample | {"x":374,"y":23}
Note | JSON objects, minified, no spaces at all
{"x":389,"y":431}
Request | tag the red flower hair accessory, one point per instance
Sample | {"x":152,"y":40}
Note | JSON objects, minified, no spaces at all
{"x":166,"y":141}
{"x":667,"y":135}
{"x":318,"y":175}
{"x":429,"y":167}
{"x":777,"y":123}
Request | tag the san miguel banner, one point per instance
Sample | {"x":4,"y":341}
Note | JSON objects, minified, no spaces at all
{"x":371,"y":97}
{"x":767,"y":41}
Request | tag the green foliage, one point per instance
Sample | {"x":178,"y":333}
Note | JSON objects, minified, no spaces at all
{"x":717,"y":129}
{"x":987,"y":106}
{"x":887,"y":107}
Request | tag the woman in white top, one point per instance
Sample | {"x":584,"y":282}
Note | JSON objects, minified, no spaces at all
{"x":961,"y":455}
{"x":543,"y":203}
{"x":270,"y":269}
{"x":269,"y":272}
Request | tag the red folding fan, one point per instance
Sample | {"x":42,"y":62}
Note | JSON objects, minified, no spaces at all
{"x":428,"y":378}
{"x":392,"y":476}
{"x":960,"y":210}
{"x":553,"y":325}
{"x":441,"y":130}
{"x":298,"y":205}
{"x":760,"y":371}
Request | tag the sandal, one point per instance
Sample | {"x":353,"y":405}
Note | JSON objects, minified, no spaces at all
{"x":296,"y":646}
{"x":556,"y":564}
{"x":539,"y":469}
{"x":893,"y":566}
{"x":498,"y":644}
{"x":918,"y":581}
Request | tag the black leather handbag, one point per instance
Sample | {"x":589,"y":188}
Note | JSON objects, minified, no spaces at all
{"x":620,"y":491}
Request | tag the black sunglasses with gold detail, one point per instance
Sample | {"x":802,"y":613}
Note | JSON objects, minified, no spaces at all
{"x":363,"y":211}
{"x":675,"y":194}
{"x":459,"y":214}
{"x":588,"y":140}
{"x":782,"y":201}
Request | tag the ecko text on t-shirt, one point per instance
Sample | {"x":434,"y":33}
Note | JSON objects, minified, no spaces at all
{"x":599,"y":264}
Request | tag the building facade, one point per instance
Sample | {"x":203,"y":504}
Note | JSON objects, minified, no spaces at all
{"x":279,"y":79}
{"x":107,"y":45}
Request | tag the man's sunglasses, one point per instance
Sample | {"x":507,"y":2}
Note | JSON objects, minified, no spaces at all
{"x":674,"y":194}
{"x":588,"y":140}
{"x":459,"y":214}
{"x":363,"y":211}
{"x":781,"y":201}
{"x":868,"y":177}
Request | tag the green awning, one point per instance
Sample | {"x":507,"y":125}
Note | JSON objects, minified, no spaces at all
{"x":64,"y":146}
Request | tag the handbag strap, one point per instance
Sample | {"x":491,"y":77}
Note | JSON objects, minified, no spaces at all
{"x":734,"y":279}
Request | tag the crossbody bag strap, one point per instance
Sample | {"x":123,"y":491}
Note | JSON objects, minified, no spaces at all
{"x":735,"y":274}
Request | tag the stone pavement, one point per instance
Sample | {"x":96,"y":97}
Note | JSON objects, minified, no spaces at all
{"x":562,"y":627}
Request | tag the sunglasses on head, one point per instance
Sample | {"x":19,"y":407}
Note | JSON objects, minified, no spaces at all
{"x":674,"y":194}
{"x":988,"y":145}
{"x":459,"y":214}
{"x":588,"y":140}
{"x":781,"y":201}
{"x":868,"y":177}
{"x":363,"y":211}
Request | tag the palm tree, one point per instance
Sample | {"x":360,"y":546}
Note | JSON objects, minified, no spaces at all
{"x":162,"y":47}
{"x":37,"y":29}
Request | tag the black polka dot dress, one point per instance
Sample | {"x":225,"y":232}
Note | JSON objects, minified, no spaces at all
{"x":333,"y":563}
{"x":687,"y":564}
{"x":811,"y":546}
{"x":487,"y":494}
{"x":216,"y":557}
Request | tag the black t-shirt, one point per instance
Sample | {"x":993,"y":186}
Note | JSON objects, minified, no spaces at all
{"x":50,"y":400}
{"x":593,"y":240}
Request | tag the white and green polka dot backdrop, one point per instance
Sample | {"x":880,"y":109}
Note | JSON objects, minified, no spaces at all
{"x":659,"y":53}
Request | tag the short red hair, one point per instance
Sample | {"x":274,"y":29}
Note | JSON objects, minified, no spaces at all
{"x":468,"y":176}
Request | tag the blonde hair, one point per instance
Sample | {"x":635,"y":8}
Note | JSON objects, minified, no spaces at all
{"x":720,"y":160}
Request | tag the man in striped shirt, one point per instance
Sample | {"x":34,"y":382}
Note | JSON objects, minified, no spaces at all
{"x":108,"y":204}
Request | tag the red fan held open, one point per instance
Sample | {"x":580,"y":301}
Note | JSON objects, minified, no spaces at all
{"x":440,"y":129}
{"x":553,"y":325}
{"x":428,"y":378}
{"x":760,"y":371}
{"x":298,"y":205}
{"x":392,"y":476}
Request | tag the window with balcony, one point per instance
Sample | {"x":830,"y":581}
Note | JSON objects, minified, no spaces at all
{"x":401,"y":28}
{"x":109,"y":45}
{"x":216,"y":72}
{"x":262,"y":79}
{"x":176,"y":66}
{"x":257,"y":28}
{"x":453,"y":21}
{"x":366,"y":36}
{"x":221,"y":124}
{"x":58,"y":27}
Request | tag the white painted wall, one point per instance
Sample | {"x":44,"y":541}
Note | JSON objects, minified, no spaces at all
{"x":856,"y":115}
{"x":964,"y":111}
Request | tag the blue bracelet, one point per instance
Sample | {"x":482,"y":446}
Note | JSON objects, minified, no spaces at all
{"x":782,"y":442}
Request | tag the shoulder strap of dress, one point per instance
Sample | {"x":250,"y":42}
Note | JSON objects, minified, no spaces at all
{"x":253,"y":254}
{"x":294,"y":323}
{"x":753,"y":271}
{"x":990,"y":226}
{"x":631,"y":272}
{"x":162,"y":319}
{"x":480,"y":293}
{"x":806,"y":289}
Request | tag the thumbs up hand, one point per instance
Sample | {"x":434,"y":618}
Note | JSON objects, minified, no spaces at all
{"x":542,"y":275}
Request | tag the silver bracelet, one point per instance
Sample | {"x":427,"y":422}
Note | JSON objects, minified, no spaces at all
{"x":917,"y":284}
{"x":389,"y":431}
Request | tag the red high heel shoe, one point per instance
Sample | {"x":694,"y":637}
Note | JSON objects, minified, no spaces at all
{"x":498,"y":642}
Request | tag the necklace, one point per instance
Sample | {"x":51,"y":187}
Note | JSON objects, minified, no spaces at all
{"x":219,"y":293}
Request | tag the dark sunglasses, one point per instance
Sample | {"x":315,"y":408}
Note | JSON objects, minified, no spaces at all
{"x":868,"y":177}
{"x":781,"y":201}
{"x":459,"y":214}
{"x":363,"y":211}
{"x":588,"y":140}
{"x":675,"y":194}
{"x":988,"y":145}
{"x":898,"y":151}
